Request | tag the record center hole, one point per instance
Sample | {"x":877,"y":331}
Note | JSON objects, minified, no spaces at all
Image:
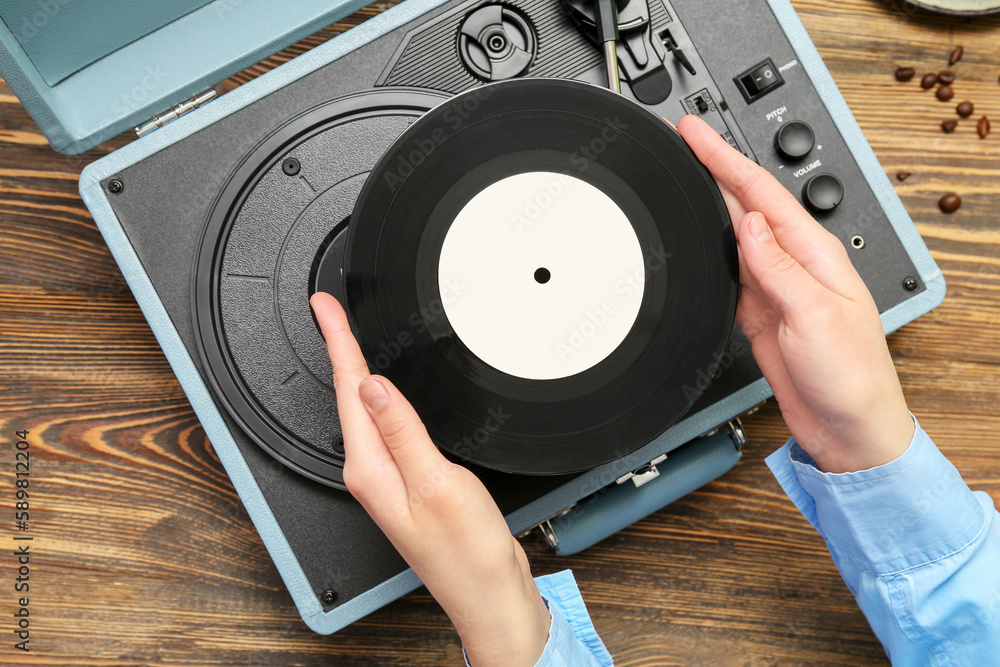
{"x":542,"y":275}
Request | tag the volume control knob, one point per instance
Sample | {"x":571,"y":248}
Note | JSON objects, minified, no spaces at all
{"x":794,"y":140}
{"x":822,"y":193}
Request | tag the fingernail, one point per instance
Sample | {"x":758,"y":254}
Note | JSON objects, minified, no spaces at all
{"x":759,"y":228}
{"x":373,"y":394}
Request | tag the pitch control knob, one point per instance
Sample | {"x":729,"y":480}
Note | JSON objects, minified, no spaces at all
{"x":794,"y":140}
{"x":822,"y":193}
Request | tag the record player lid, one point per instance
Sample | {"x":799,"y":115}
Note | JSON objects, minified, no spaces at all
{"x":87,"y":72}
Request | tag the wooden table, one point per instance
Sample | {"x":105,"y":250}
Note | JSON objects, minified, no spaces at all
{"x":142,"y":553}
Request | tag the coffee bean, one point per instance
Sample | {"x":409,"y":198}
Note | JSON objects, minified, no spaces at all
{"x":964,"y":109}
{"x":929,"y":80}
{"x":905,"y":73}
{"x":946,"y":76}
{"x":948,"y":126}
{"x":983,"y":127}
{"x":945,"y":93}
{"x":950,"y":202}
{"x":956,"y":55}
{"x":902,"y":175}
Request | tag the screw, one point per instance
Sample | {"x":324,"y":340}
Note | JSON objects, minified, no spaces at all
{"x":115,"y":186}
{"x":290,"y":166}
{"x":338,"y":444}
{"x":909,"y":284}
{"x":329,"y":596}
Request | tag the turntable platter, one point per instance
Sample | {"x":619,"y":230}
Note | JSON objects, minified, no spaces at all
{"x":274,"y":236}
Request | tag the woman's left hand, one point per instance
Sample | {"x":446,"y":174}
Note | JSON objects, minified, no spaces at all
{"x":437,"y":514}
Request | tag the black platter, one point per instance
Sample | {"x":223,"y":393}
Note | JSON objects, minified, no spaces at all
{"x":262,"y":254}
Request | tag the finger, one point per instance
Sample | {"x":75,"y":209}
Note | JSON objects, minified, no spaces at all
{"x":765,"y":344}
{"x":364,"y":450}
{"x":792,"y":290}
{"x":733,"y":203}
{"x":754,"y":313}
{"x":420,"y":463}
{"x":767,"y":354}
{"x":735,"y":206}
{"x":753,"y":184}
{"x":797,"y":231}
{"x":736,"y":214}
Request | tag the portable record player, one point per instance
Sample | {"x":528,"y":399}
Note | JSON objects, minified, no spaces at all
{"x":227,"y":213}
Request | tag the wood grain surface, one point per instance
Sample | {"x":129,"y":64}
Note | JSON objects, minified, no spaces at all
{"x":142,"y":553}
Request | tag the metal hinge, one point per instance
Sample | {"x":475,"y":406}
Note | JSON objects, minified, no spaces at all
{"x":176,"y":111}
{"x":735,"y":428}
{"x":644,"y":473}
{"x":548,"y":532}
{"x":737,"y":433}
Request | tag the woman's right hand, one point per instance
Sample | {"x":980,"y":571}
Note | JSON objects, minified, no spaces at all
{"x":812,"y":324}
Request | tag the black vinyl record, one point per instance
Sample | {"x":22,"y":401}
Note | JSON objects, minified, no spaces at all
{"x":517,"y":422}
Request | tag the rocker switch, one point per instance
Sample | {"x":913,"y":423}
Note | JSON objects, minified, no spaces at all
{"x":759,"y":80}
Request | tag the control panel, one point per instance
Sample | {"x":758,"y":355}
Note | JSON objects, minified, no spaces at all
{"x":792,"y":134}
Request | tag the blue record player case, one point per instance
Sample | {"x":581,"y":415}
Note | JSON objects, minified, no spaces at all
{"x":87,"y":71}
{"x":67,"y":92}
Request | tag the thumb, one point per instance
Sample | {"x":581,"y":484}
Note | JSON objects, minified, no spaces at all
{"x":403,"y":432}
{"x":790,"y":288}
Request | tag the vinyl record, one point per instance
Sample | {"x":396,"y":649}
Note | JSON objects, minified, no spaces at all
{"x":545,"y":271}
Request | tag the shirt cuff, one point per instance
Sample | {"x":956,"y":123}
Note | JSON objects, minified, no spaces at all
{"x":572,"y":641}
{"x":905,"y":513}
{"x":572,"y":637}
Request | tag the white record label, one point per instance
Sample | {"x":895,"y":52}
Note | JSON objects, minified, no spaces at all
{"x":541,"y":275}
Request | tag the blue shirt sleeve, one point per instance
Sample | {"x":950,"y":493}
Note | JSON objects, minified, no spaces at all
{"x":573,"y":641}
{"x":917,"y":548}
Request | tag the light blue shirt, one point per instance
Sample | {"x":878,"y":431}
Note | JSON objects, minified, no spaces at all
{"x":919,"y":550}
